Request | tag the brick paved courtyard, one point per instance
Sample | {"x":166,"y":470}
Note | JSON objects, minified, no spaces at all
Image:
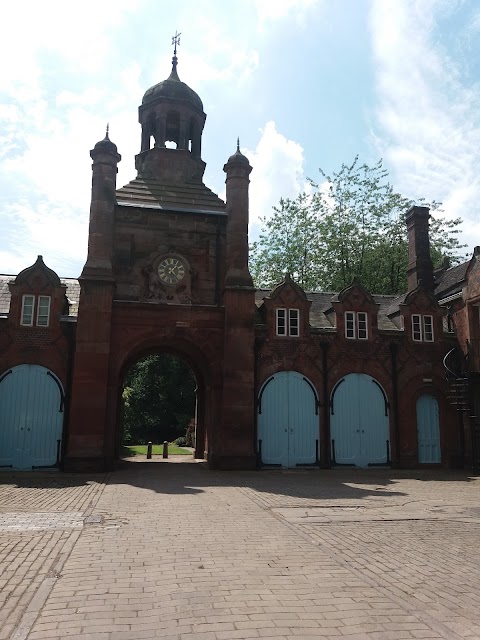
{"x":171,"y":550}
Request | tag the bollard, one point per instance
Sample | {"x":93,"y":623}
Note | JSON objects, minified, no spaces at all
{"x":149,"y":451}
{"x":165,"y":449}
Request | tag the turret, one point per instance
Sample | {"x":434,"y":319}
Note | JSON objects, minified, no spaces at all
{"x":238,"y":170}
{"x":100,"y":235}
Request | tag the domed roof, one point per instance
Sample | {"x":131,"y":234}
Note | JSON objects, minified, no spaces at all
{"x":173,"y":89}
{"x":238,"y":155}
{"x":106,"y":144}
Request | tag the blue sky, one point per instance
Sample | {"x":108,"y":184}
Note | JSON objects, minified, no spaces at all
{"x":304,"y":83}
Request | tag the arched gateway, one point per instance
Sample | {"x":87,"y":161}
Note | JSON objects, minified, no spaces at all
{"x":167,"y":266}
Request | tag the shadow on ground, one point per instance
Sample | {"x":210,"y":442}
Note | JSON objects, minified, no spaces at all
{"x":173,"y":477}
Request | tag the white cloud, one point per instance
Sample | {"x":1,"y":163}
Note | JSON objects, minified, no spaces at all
{"x":428,"y":125}
{"x":277,"y":9}
{"x":278,"y":171}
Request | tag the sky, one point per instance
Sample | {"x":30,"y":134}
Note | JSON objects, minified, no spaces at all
{"x":304,"y":84}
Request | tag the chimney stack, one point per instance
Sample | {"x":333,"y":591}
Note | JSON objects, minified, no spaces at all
{"x":420,"y":267}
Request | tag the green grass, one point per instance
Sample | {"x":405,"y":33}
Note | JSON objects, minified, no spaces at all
{"x":157,"y":449}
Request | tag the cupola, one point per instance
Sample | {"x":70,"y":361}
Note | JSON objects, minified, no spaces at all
{"x":172,"y":112}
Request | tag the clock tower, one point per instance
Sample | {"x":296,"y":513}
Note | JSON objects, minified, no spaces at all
{"x":167,"y":271}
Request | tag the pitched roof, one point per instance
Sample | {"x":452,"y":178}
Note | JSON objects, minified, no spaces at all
{"x":154,"y":194}
{"x":451,"y":281}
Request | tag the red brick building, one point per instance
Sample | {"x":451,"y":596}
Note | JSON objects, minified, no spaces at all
{"x":285,"y":377}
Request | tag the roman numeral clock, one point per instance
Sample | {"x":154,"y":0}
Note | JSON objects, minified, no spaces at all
{"x":169,"y":280}
{"x":171,"y":270}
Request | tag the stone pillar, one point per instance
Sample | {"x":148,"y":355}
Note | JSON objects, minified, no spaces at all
{"x":86,"y":444}
{"x":235,"y":446}
{"x":420,"y":267}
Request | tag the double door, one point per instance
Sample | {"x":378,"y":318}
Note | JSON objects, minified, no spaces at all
{"x":288,"y":421}
{"x":359,"y":422}
{"x":31,"y":417}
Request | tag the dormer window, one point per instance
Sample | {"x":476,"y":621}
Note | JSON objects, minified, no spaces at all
{"x":422,"y":328}
{"x":42,"y":311}
{"x":356,"y":325}
{"x":288,"y":322}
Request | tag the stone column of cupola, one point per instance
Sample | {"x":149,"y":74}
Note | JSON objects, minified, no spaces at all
{"x":238,"y":170}
{"x":102,"y":208}
{"x":160,"y":130}
{"x":183,"y":134}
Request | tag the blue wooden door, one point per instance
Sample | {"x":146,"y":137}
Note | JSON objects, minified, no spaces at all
{"x":288,"y":420}
{"x":359,"y":423}
{"x":428,"y":429}
{"x":31,"y":417}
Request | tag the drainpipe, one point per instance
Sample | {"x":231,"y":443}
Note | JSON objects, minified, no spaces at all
{"x":393,"y":354}
{"x":326,"y":403}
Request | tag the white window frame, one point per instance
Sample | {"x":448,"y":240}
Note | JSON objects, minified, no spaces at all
{"x":29,"y":322}
{"x":287,"y":322}
{"x":356,"y":325}
{"x":294,"y":323}
{"x":422,"y":328}
{"x":43,"y":319}
{"x":281,"y":322}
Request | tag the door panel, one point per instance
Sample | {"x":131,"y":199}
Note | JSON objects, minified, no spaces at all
{"x":428,"y":429}
{"x":273,"y":421}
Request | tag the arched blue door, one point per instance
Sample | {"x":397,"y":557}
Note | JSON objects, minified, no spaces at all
{"x":288,"y":420}
{"x":31,"y":417}
{"x":428,"y":430}
{"x":359,"y":423}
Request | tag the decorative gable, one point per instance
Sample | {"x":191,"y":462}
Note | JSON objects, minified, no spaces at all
{"x":38,"y":297}
{"x":356,"y":312}
{"x":287,"y":310}
{"x":422,"y":315}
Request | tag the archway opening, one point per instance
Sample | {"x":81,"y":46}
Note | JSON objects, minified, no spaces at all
{"x":158,"y":404}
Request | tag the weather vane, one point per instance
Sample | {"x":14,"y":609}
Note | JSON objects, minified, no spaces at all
{"x":175,"y":41}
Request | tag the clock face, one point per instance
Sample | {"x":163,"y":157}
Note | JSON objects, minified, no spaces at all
{"x":171,"y":270}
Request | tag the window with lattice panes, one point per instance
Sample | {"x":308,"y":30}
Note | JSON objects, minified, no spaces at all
{"x":356,"y":325}
{"x":422,"y":328}
{"x":288,"y":322}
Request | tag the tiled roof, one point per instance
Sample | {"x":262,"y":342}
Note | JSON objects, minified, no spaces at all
{"x":73,"y":293}
{"x":5,"y":293}
{"x":322,"y":302}
{"x":451,"y":281}
{"x":154,"y":194}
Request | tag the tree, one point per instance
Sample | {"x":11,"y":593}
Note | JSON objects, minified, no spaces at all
{"x":350,"y":225}
{"x":158,"y":400}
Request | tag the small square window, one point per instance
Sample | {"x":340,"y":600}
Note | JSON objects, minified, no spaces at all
{"x":43,"y":311}
{"x":28,"y":303}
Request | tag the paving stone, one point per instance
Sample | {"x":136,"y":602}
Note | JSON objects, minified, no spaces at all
{"x":176,"y":551}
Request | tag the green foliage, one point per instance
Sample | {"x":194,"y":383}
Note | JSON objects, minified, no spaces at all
{"x":158,"y":400}
{"x":350,"y":225}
